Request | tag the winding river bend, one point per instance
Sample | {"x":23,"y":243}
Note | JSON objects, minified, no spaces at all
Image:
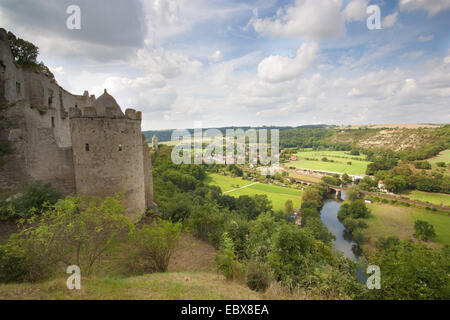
{"x":344,"y":242}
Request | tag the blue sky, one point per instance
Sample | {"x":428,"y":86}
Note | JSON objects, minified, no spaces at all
{"x":249,"y":63}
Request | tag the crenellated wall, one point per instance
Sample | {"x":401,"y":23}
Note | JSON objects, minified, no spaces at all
{"x":77,"y":143}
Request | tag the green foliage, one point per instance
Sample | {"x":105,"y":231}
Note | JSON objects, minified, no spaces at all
{"x":333,"y":180}
{"x":153,"y":245}
{"x":258,"y":276}
{"x":353,"y":193}
{"x":424,"y":230}
{"x":288,"y":206}
{"x":346,"y":178}
{"x":356,"y":209}
{"x":312,"y":194}
{"x":77,"y":230}
{"x":25,"y":55}
{"x":410,"y":271}
{"x":32,"y":198}
{"x":422,"y":165}
{"x":226,"y":260}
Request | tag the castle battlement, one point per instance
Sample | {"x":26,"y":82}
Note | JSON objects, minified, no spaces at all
{"x":77,"y":143}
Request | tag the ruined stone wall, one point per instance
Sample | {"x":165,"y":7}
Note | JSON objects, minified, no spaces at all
{"x":148,"y":174}
{"x":108,"y":159}
{"x":37,"y":128}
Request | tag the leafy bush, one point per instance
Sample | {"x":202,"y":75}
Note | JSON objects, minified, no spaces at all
{"x":424,"y":230}
{"x":258,"y":276}
{"x":422,"y":165}
{"x":226,"y":260}
{"x":77,"y":230}
{"x":32,"y":198}
{"x":153,"y":246}
{"x":411,"y":271}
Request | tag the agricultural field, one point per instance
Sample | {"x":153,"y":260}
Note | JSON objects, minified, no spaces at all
{"x":441,"y":199}
{"x":237,"y":187}
{"x":389,"y":220}
{"x":340,"y":158}
{"x":443,"y":156}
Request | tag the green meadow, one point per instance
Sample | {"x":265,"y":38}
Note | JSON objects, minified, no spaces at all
{"x":277,"y":194}
{"x":443,"y":156}
{"x":313,"y":160}
{"x":389,"y":220}
{"x":434,"y":198}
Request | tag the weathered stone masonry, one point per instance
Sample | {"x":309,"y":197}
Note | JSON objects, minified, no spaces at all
{"x":77,"y":143}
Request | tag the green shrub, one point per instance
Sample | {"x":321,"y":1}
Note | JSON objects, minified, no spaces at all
{"x":258,"y":276}
{"x":153,"y":246}
{"x":423,"y":230}
{"x":31,"y":198}
{"x":358,"y":236}
{"x":226,"y":260}
{"x":77,"y":230}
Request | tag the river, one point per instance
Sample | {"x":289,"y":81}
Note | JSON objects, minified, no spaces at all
{"x":343,"y":242}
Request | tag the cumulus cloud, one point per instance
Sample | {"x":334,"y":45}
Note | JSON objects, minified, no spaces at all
{"x":356,"y":10}
{"x":433,"y":7}
{"x":311,"y":19}
{"x":389,"y":20}
{"x":278,"y":68}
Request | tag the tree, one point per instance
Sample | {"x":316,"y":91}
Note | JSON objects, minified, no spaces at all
{"x":76,"y":230}
{"x":424,"y":230}
{"x":154,"y":245}
{"x":288,"y":206}
{"x":346,"y":179}
{"x":353,"y":193}
{"x":312,"y":194}
{"x":24,"y":52}
{"x":410,"y":271}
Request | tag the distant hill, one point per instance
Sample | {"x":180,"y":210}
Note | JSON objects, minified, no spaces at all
{"x":165,"y":135}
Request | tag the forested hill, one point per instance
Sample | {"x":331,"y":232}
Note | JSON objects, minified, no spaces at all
{"x":165,"y":135}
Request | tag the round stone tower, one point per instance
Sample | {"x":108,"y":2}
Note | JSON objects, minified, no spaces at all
{"x":108,"y":153}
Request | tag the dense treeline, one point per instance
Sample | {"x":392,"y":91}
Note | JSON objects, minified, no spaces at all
{"x":165,"y":135}
{"x":311,"y":138}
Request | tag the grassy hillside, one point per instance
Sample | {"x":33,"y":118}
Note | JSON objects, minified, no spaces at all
{"x":157,"y":286}
{"x":313,"y":160}
{"x":434,"y":198}
{"x":278,"y":195}
{"x":388,"y":220}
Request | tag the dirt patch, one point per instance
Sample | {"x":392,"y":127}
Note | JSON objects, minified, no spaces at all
{"x":193,"y":255}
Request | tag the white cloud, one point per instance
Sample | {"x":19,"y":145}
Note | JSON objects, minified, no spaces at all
{"x":278,"y":68}
{"x":432,"y":6}
{"x":169,"y":64}
{"x":311,"y":19}
{"x":216,"y":56}
{"x":356,"y":10}
{"x":389,"y":20}
{"x":414,"y":54}
{"x":426,"y":38}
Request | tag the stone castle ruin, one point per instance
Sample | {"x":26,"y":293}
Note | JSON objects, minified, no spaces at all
{"x":77,"y":143}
